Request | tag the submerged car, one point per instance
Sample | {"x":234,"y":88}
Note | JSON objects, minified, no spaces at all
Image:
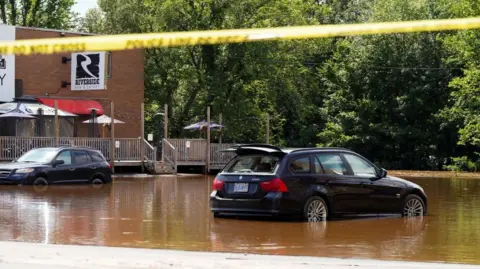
{"x":53,"y":165}
{"x":316,"y":183}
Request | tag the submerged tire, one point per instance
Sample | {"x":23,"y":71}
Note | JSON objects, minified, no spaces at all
{"x":97,"y":183}
{"x":413,"y":206}
{"x":40,"y":181}
{"x":315,"y":209}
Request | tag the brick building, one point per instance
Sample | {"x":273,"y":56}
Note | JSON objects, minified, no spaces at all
{"x":45,"y":78}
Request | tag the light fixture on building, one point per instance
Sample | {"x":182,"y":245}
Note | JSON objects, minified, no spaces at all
{"x":65,"y":84}
{"x":66,"y":60}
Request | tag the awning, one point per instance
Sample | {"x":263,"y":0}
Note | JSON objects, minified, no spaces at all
{"x":79,"y":107}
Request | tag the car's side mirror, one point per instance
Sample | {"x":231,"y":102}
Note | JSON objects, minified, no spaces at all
{"x":58,"y":162}
{"x":383,"y":173}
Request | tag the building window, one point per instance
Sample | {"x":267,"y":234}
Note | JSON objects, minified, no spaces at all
{"x":109,"y":64}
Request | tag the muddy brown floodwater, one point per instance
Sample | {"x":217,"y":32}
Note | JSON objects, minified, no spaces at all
{"x":174,"y":213}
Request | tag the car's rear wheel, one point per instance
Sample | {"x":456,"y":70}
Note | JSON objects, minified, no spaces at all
{"x":315,"y":209}
{"x":413,"y":206}
{"x":97,"y":182}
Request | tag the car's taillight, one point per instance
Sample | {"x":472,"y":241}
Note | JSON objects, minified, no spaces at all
{"x":109,"y":165}
{"x":275,"y":185}
{"x":217,"y":184}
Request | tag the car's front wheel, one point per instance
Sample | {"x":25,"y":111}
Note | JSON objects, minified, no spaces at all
{"x":40,"y":181}
{"x":413,"y":206}
{"x":40,"y":185}
{"x":315,"y":209}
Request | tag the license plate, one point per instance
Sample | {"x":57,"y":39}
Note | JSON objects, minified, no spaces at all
{"x":240,"y":187}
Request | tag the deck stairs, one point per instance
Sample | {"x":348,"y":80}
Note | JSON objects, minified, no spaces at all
{"x":163,"y":168}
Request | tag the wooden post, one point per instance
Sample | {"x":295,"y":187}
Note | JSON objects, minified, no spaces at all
{"x":207,"y":161}
{"x":112,"y":133}
{"x":57,"y":125}
{"x":220,"y":121}
{"x":142,"y":136}
{"x":165,"y":122}
{"x":268,"y":129}
{"x":165,"y":127}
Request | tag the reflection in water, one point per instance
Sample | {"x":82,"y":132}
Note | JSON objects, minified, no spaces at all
{"x":174,"y":214}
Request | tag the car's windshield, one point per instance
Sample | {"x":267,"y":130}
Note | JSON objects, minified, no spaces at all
{"x":42,"y":155}
{"x":253,"y":164}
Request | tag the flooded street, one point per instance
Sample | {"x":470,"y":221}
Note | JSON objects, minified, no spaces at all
{"x":174,"y":213}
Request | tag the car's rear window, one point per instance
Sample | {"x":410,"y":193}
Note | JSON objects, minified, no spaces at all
{"x":253,"y":164}
{"x":97,"y":158}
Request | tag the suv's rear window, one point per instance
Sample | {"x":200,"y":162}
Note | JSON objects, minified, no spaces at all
{"x":253,"y":164}
{"x":97,"y":158}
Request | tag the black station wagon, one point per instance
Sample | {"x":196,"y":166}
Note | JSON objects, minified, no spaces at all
{"x":53,"y":165}
{"x":313,"y":182}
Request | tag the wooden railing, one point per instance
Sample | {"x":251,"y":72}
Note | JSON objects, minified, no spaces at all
{"x":129,"y":148}
{"x":170,"y":154}
{"x":190,"y":150}
{"x":193,"y":151}
{"x":102,"y":144}
{"x":13,"y":147}
{"x":150,"y":151}
{"x":150,"y":157}
{"x":219,"y":159}
{"x":174,"y":151}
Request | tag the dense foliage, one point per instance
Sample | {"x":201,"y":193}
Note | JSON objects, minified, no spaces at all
{"x":53,"y":14}
{"x":407,"y":101}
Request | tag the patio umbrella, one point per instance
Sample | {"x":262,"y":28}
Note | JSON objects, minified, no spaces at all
{"x":32,"y":109}
{"x":20,"y":112}
{"x":202,"y":124}
{"x":105,"y":120}
{"x":17,"y":115}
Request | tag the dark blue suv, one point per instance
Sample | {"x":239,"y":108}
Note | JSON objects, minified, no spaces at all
{"x":52,"y":165}
{"x":313,"y":182}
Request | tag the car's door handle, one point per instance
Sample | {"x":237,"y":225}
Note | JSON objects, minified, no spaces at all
{"x":72,"y":169}
{"x":93,"y":167}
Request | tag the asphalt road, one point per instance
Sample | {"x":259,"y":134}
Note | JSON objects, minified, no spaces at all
{"x":32,"y":256}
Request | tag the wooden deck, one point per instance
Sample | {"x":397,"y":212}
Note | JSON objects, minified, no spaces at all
{"x":129,"y":151}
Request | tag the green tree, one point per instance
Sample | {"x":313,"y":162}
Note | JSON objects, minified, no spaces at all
{"x":463,"y":110}
{"x":407,"y":101}
{"x":92,"y":22}
{"x":243,"y":82}
{"x":53,"y":14}
{"x":385,"y":90}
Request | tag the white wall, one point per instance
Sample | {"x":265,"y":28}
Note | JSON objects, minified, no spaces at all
{"x":7,"y":72}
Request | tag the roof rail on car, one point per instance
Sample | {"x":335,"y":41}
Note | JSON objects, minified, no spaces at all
{"x":85,"y":147}
{"x":63,"y":145}
{"x":259,"y":145}
{"x":319,"y":148}
{"x":74,"y":146}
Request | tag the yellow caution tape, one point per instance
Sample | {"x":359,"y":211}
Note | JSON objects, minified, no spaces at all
{"x":153,"y":40}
